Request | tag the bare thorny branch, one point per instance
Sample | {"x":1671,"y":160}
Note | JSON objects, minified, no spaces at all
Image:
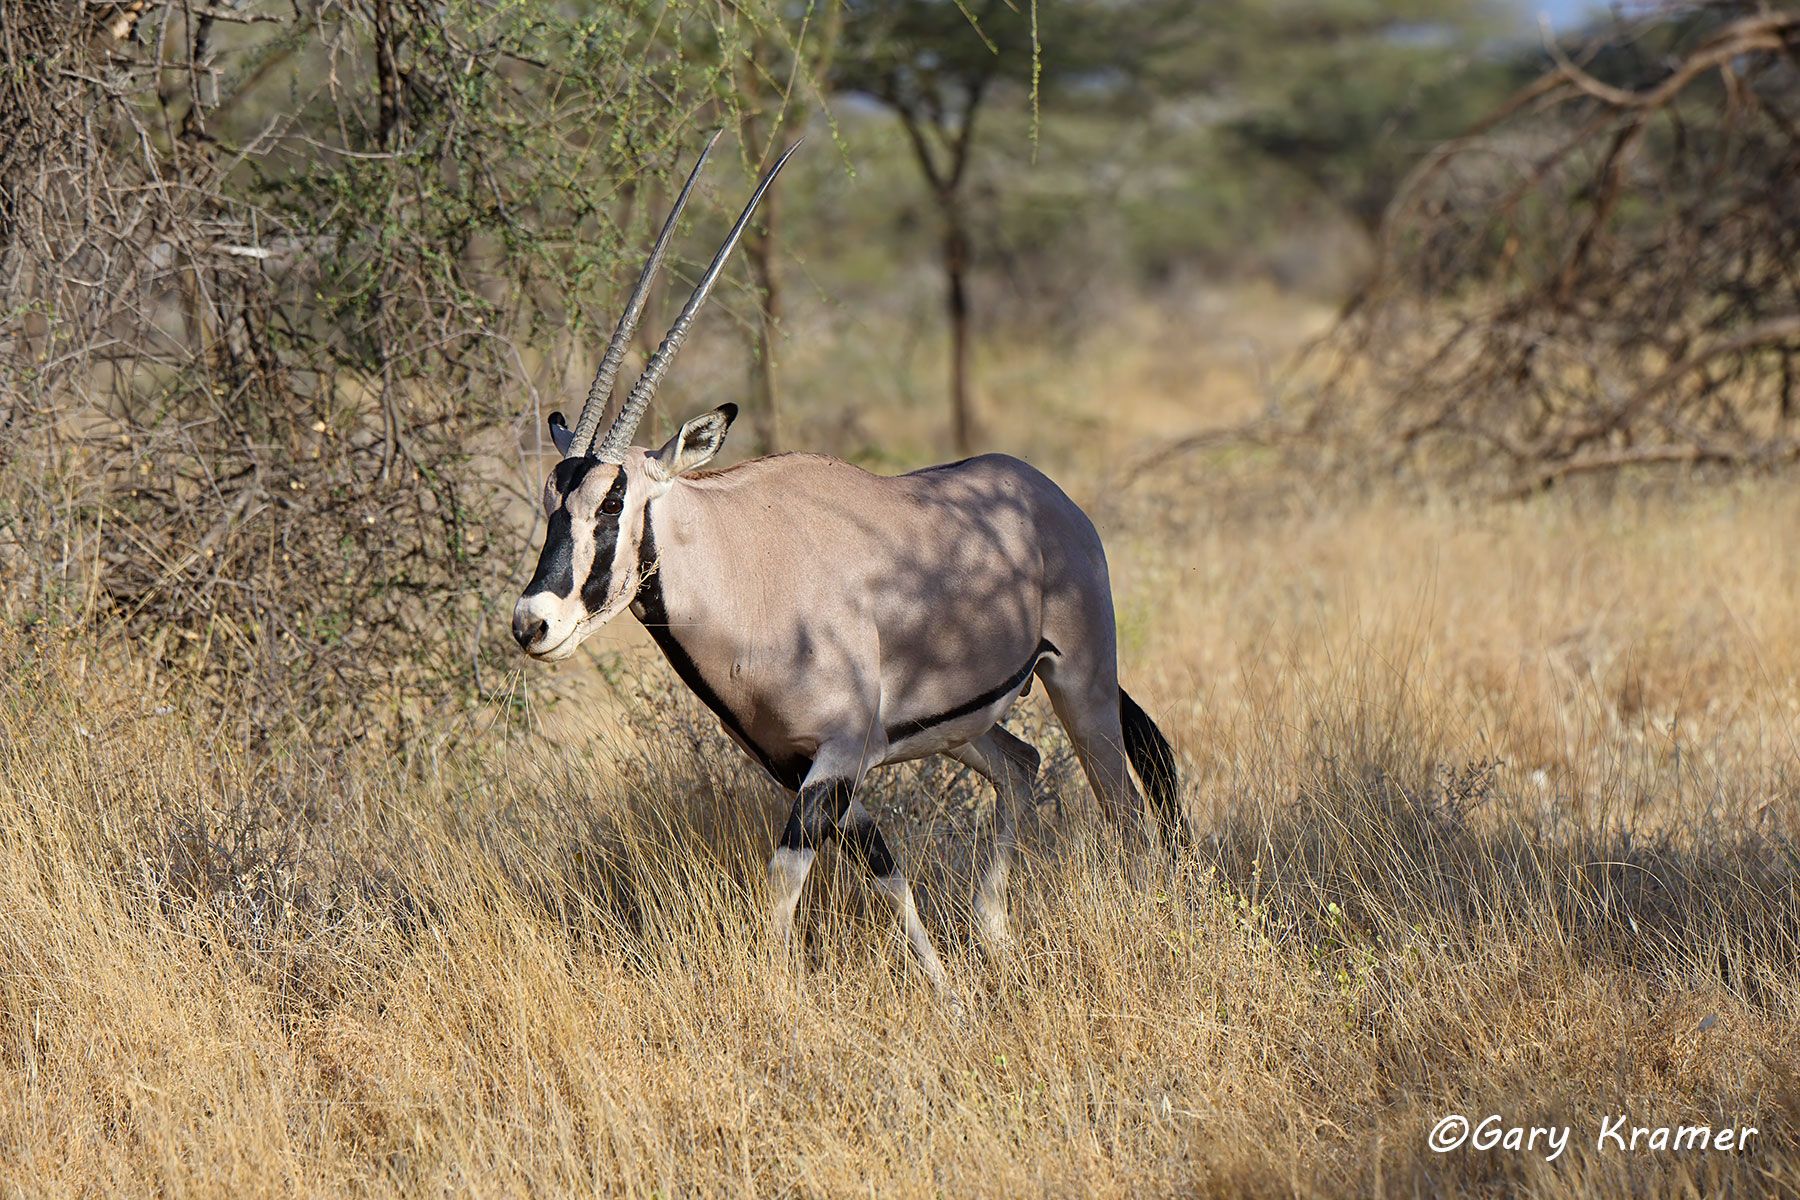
{"x":266,"y":270}
{"x":1603,"y":274}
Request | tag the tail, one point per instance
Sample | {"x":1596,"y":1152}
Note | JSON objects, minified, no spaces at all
{"x":1154,"y":761}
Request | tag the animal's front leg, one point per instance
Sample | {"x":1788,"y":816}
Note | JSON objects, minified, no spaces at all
{"x":816,"y":813}
{"x":863,"y":838}
{"x":827,"y":804}
{"x":787,"y":876}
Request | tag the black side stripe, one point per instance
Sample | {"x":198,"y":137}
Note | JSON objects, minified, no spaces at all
{"x":912,"y":728}
{"x":653,"y":613}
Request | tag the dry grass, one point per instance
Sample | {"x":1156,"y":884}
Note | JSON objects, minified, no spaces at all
{"x":1496,"y":812}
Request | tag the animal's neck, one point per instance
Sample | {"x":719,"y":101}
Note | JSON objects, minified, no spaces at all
{"x":675,"y":524}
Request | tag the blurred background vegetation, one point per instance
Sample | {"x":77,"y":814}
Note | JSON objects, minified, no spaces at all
{"x":287,"y":289}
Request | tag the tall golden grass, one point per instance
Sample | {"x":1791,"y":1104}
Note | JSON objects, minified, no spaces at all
{"x":1496,"y":813}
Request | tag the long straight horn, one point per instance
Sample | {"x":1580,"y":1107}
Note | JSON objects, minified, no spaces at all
{"x":619,"y":436}
{"x":600,"y":393}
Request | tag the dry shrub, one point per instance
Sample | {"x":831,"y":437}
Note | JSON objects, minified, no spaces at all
{"x":1600,"y":275}
{"x":277,"y":283}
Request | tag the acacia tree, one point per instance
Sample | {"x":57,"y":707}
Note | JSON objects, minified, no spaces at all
{"x":935,"y":64}
{"x":1330,"y":90}
{"x":1600,"y":275}
{"x":778,"y":54}
{"x":266,"y":270}
{"x":1348,"y":96}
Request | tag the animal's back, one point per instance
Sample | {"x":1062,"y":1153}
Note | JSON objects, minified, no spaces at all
{"x":966,"y":546}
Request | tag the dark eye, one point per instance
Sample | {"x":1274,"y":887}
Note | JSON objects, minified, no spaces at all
{"x":612,"y":506}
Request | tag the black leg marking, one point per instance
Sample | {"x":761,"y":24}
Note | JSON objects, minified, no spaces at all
{"x":865,"y":841}
{"x":816,"y":814}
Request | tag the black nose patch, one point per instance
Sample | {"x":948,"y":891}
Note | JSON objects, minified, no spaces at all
{"x":556,"y":565}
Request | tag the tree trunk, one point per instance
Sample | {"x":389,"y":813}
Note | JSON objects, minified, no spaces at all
{"x":387,"y":74}
{"x":758,"y":129}
{"x":945,"y":179}
{"x":956,"y":300}
{"x":760,"y":250}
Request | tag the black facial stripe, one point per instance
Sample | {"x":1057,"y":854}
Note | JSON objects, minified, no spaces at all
{"x":556,"y":566}
{"x":654,"y":614}
{"x":906,"y":729}
{"x":570,"y":472}
{"x":598,"y":584}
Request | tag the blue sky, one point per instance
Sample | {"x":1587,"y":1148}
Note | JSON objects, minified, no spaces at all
{"x":1562,"y":13}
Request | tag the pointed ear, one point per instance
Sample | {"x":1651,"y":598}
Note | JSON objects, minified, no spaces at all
{"x":560,"y":433}
{"x":695,"y":444}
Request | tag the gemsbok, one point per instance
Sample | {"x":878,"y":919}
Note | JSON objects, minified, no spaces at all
{"x":836,"y":620}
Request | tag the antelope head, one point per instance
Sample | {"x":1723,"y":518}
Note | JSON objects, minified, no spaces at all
{"x":596,"y":498}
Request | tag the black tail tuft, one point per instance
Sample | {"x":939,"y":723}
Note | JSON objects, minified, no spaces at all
{"x":1154,"y":761}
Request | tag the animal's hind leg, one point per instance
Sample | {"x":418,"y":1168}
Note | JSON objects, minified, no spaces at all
{"x":1011,"y":765}
{"x":1087,"y":704}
